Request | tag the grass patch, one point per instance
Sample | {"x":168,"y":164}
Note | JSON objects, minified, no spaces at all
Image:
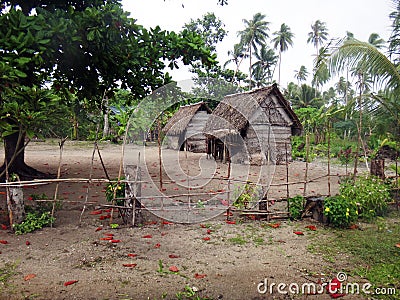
{"x":238,"y":240}
{"x":6,"y":273}
{"x":372,"y":253}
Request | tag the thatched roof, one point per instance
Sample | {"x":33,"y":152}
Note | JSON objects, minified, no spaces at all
{"x":180,"y":120}
{"x":234,"y":111}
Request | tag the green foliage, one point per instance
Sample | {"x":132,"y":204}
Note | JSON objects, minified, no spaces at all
{"x":189,"y":293}
{"x":245,"y":196}
{"x":34,"y":221}
{"x":238,"y":240}
{"x":296,"y":206}
{"x":340,"y":211}
{"x":116,"y":189}
{"x":370,"y":194}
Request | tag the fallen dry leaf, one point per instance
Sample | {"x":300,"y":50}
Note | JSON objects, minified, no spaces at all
{"x":199,"y":276}
{"x":274,"y":225}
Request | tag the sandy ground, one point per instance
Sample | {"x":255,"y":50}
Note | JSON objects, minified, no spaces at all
{"x":219,"y":259}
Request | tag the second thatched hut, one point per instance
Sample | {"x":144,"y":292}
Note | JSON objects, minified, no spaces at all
{"x":185,"y":128}
{"x":254,"y":127}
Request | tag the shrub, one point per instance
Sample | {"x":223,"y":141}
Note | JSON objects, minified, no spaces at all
{"x":33,"y":221}
{"x":296,"y":206}
{"x":340,"y":211}
{"x":116,"y":188}
{"x":370,"y":194}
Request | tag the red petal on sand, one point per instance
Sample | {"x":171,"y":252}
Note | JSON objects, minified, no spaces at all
{"x":199,"y":276}
{"x":311,"y":227}
{"x":109,"y":238}
{"x":29,"y":277}
{"x":203,"y":226}
{"x":298,"y":232}
{"x":147,"y":236}
{"x":207,"y":238}
{"x":102,"y":218}
{"x":173,"y":269}
{"x":109,"y":234}
{"x":27,"y":243}
{"x":274,"y":225}
{"x":3,"y":242}
{"x":354,"y":226}
{"x":108,"y":210}
{"x":67,"y":283}
{"x":231,"y":222}
{"x":176,"y":189}
{"x":115,"y":241}
{"x":157,"y":245}
{"x":96,"y":212}
{"x":132,"y":255}
{"x":129,"y":265}
{"x":167,"y":223}
{"x":4,"y":227}
{"x":209,"y":231}
{"x":230,"y":214}
{"x":99,"y":228}
{"x":173,"y":256}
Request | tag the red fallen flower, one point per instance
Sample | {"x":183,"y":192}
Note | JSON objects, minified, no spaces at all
{"x":4,"y":227}
{"x":108,"y":210}
{"x":167,"y":223}
{"x":99,"y":228}
{"x":231,"y":222}
{"x":311,"y":227}
{"x":96,"y":212}
{"x":333,"y":287}
{"x":147,"y":236}
{"x":3,"y":242}
{"x":174,"y":269}
{"x":207,"y":238}
{"x":102,"y":218}
{"x":27,"y":243}
{"x":203,"y":226}
{"x":109,"y":234}
{"x":30,"y":198}
{"x":397,"y":245}
{"x":354,"y":226}
{"x":173,"y":256}
{"x":298,"y":232}
{"x":199,"y":276}
{"x":115,"y":241}
{"x":151,"y":223}
{"x":129,"y":265}
{"x":157,"y":245}
{"x":274,"y":225}
{"x":67,"y":283}
{"x":29,"y":277}
{"x":109,"y":238}
{"x":230,"y":214}
{"x":132,"y":255}
{"x":209,"y":231}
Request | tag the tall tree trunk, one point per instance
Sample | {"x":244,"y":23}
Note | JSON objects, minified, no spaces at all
{"x":250,"y":69}
{"x":14,"y":158}
{"x":106,"y":128}
{"x":279,"y":70}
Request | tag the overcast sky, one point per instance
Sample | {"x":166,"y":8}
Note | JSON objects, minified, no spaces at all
{"x":361,"y":17}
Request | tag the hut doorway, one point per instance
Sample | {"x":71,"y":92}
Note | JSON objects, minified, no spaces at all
{"x":218,"y":149}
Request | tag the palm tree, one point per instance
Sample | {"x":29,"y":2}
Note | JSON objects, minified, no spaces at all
{"x":237,"y":55}
{"x":254,"y":35}
{"x":267,"y":60}
{"x":282,"y":40}
{"x":318,"y":34}
{"x":376,"y":40}
{"x":301,"y":74}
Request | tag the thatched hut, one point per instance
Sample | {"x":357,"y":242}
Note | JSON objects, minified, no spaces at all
{"x":253,"y":127}
{"x":185,"y":128}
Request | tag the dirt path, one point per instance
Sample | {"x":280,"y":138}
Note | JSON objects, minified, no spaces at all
{"x":230,"y":260}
